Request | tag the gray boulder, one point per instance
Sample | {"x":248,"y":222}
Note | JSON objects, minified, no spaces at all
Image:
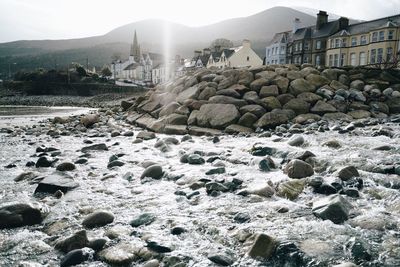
{"x":16,"y":214}
{"x":299,"y":86}
{"x":298,"y":169}
{"x":217,"y":115}
{"x":271,"y":120}
{"x":335,"y":208}
{"x":298,"y":106}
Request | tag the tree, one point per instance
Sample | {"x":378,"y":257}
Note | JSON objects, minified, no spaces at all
{"x":80,"y":70}
{"x":222,"y":43}
{"x":106,"y":72}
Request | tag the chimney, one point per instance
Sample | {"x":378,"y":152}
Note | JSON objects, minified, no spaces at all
{"x":197,"y":53}
{"x":246,"y":43}
{"x":343,"y":23}
{"x":206,"y":51}
{"x":296,"y":25}
{"x":322,"y":18}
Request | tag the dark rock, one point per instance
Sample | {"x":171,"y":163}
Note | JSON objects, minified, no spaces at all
{"x":75,"y":257}
{"x":43,"y":162}
{"x":177,"y":230}
{"x":115,"y":163}
{"x":266,"y":164}
{"x":16,"y":214}
{"x":125,"y":105}
{"x":334,"y":208}
{"x":217,"y":187}
{"x":217,"y":115}
{"x":143,"y":219}
{"x":263,"y":246}
{"x":298,"y":169}
{"x":195,"y":159}
{"x":66,"y":166}
{"x":96,"y":147}
{"x":325,"y":189}
{"x":97,"y":244}
{"x":248,"y":120}
{"x":218,"y":170}
{"x":262,"y":151}
{"x":81,"y":161}
{"x":298,"y":106}
{"x":221,"y":259}
{"x":98,"y":218}
{"x":153,"y":171}
{"x":146,"y":135}
{"x":296,"y":140}
{"x":241,"y":217}
{"x":154,"y":246}
{"x":55,"y":182}
{"x":348,"y":173}
{"x":291,"y":189}
{"x":271,"y":120}
{"x":75,"y":241}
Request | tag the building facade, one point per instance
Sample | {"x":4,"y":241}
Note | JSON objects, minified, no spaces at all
{"x":366,"y":43}
{"x":275,"y":52}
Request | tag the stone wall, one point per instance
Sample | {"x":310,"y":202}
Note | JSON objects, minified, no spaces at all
{"x":244,"y":100}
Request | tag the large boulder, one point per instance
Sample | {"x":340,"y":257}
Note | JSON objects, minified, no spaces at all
{"x":169,"y":109}
{"x":56,"y":181}
{"x":221,"y":99}
{"x":271,"y":120}
{"x":293,"y":75}
{"x":257,"y":84}
{"x":298,"y":169}
{"x":16,"y":214}
{"x":331,"y":74}
{"x":282,"y":83}
{"x":217,"y":115}
{"x":248,"y":119}
{"x":263,"y":246}
{"x":309,"y":97}
{"x":299,"y":86}
{"x":322,"y":107}
{"x":190,"y":93}
{"x":90,"y":119}
{"x":270,"y":103}
{"x":335,"y":208}
{"x":255,"y":109}
{"x":267,"y":74}
{"x":270,"y":90}
{"x":207,"y":93}
{"x":298,"y":106}
{"x":317,"y":80}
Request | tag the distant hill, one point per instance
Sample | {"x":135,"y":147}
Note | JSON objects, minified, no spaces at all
{"x":259,"y":28}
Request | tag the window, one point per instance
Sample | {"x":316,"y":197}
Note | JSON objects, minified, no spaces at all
{"x":296,"y":47}
{"x":282,"y":61}
{"x":342,"y":58}
{"x":373,"y":56}
{"x":363,"y":58}
{"x":375,"y":37}
{"x":337,"y":43}
{"x":336,"y":60}
{"x":305,"y":60}
{"x":330,"y":60}
{"x":268,"y":51}
{"x":300,"y":46}
{"x":380,"y":55}
{"x":353,"y":41}
{"x":363,"y":40}
{"x":248,"y":58}
{"x":390,"y":35}
{"x":381,"y":36}
{"x":353,"y":59}
{"x":389,"y":54}
{"x":306,"y":46}
{"x":318,"y":60}
{"x":318,"y":45}
{"x":282,"y":50}
{"x":344,"y":43}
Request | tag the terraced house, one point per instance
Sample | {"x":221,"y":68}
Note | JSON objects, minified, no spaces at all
{"x":365,"y":43}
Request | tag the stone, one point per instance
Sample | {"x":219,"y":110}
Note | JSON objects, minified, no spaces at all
{"x":258,"y":83}
{"x":332,"y":144}
{"x":16,"y":214}
{"x":169,"y":109}
{"x":98,"y":218}
{"x":146,"y":135}
{"x":207,"y":93}
{"x":96,"y":147}
{"x":222,"y":99}
{"x":284,"y":98}
{"x":154,"y":171}
{"x":195,"y":159}
{"x":334,"y":208}
{"x":90,"y":119}
{"x":299,"y":86}
{"x":75,"y":241}
{"x":254,"y":109}
{"x":359,"y":114}
{"x":76,"y":256}
{"x":189,"y":93}
{"x":357,"y":84}
{"x":293,"y":75}
{"x":226,"y":82}
{"x":143,"y":219}
{"x":298,"y":106}
{"x":317,"y":80}
{"x":125,"y":105}
{"x":151,"y":263}
{"x":248,"y":120}
{"x":348,"y":172}
{"x":237,"y":129}
{"x":115,"y":163}
{"x":336,"y":85}
{"x":291,"y":189}
{"x":177,"y":230}
{"x":271,"y":120}
{"x":121,"y":254}
{"x":296,"y":140}
{"x":322,"y":107}
{"x":55,"y":182}
{"x":309,"y":97}
{"x":175,"y":129}
{"x":331,"y":74}
{"x":298,"y":169}
{"x":266,"y":164}
{"x":241,"y":217}
{"x":263,"y":247}
{"x":26,"y":176}
{"x":66,"y":166}
{"x":267,"y":74}
{"x":394,"y":104}
{"x":270,"y":103}
{"x":221,"y":259}
{"x":282,"y":83}
{"x":271,"y":90}
{"x":43,"y":162}
{"x":305,"y":118}
{"x":154,"y":246}
{"x":217,"y":115}
{"x":228,"y":92}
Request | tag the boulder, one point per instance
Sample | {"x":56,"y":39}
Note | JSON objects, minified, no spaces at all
{"x":298,"y":106}
{"x":267,"y":74}
{"x":122,"y":254}
{"x":293,"y":75}
{"x":348,"y":172}
{"x":251,"y":97}
{"x":359,"y":114}
{"x":299,"y":86}
{"x":270,"y":103}
{"x":75,"y":257}
{"x":125,"y":105}
{"x":153,"y":171}
{"x":66,"y":166}
{"x":207,"y":93}
{"x":90,"y":119}
{"x":56,"y":181}
{"x":217,"y":115}
{"x":282,"y":83}
{"x":298,"y":169}
{"x":254,"y":109}
{"x":16,"y":214}
{"x":221,"y":99}
{"x":270,"y":90}
{"x":357,"y":84}
{"x":247,"y":120}
{"x":95,"y":147}
{"x":284,"y":98}
{"x":322,"y":107}
{"x":98,"y":218}
{"x":317,"y":80}
{"x":309,"y":97}
{"x":228,"y":92}
{"x":331,"y":74}
{"x":291,"y":189}
{"x":190,"y":93}
{"x":169,"y":109}
{"x":75,"y":241}
{"x":305,"y":118}
{"x":271,"y":120}
{"x":257,"y":84}
{"x":263,"y":247}
{"x":334,"y":208}
{"x":237,"y":129}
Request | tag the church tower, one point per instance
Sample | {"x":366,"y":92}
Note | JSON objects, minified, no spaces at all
{"x":135,"y":49}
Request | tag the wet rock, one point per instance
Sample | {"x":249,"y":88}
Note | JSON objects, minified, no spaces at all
{"x":90,"y":119}
{"x":241,"y":217}
{"x":15,"y":214}
{"x":262,"y":151}
{"x":143,"y":219}
{"x":97,"y":244}
{"x":96,"y":147}
{"x":237,"y":129}
{"x":263,"y":246}
{"x":219,"y":170}
{"x":81,"y":161}
{"x":298,"y":169}
{"x":146,"y":135}
{"x":247,"y":120}
{"x":152,"y":263}
{"x":298,"y":106}
{"x":55,"y":182}
{"x":271,"y":90}
{"x":335,"y":208}
{"x":360,"y":252}
{"x":153,"y":171}
{"x":115,"y":163}
{"x":125,"y":105}
{"x":271,"y":120}
{"x":348,"y":172}
{"x":221,"y":259}
{"x":178,"y":230}
{"x":154,"y":246}
{"x":121,"y":254}
{"x":75,"y":241}
{"x":66,"y":166}
{"x":215,"y":187}
{"x":195,"y":159}
{"x":291,"y":189}
{"x":296,"y":140}
{"x":26,"y":176}
{"x":299,"y":86}
{"x":76,"y":256}
{"x":217,"y":115}
{"x":43,"y":162}
{"x":332,"y":144}
{"x":322,"y":107}
{"x":266,"y":164}
{"x":263,"y":191}
{"x":98,"y":218}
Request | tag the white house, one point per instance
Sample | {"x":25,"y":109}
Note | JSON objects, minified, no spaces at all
{"x":162,"y":73}
{"x":241,"y":56}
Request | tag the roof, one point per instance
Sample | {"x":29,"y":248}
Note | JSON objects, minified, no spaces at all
{"x":365,"y":27}
{"x":132,"y":66}
{"x":230,"y":52}
{"x":280,"y":37}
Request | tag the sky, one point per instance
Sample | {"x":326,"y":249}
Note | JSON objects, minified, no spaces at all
{"x":64,"y":19}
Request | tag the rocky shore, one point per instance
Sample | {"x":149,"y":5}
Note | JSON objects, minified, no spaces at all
{"x":96,"y":190}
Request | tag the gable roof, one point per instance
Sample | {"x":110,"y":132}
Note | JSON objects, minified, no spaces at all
{"x":367,"y":26}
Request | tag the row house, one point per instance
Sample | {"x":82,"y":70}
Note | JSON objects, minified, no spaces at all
{"x":365,"y":43}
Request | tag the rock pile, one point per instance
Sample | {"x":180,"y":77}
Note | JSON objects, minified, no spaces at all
{"x":247,"y":99}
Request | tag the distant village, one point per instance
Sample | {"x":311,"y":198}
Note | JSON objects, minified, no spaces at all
{"x":326,"y":44}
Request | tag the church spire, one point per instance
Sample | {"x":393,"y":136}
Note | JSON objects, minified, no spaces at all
{"x":135,"y":48}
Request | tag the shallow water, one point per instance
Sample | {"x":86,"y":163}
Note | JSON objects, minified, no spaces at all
{"x":208,"y":220}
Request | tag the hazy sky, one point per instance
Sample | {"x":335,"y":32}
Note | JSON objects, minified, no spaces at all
{"x":58,"y":19}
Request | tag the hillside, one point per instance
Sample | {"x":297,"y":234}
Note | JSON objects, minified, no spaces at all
{"x":259,"y":28}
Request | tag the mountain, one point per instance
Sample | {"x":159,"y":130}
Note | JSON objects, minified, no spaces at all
{"x":332,"y":16}
{"x":259,"y":28}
